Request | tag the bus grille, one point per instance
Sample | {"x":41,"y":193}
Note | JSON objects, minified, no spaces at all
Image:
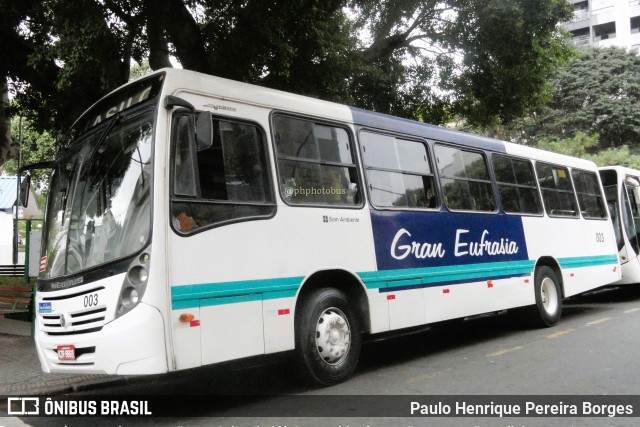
{"x":82,"y":322}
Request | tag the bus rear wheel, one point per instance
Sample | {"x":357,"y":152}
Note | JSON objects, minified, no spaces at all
{"x":328,"y":338}
{"x":548,"y":308}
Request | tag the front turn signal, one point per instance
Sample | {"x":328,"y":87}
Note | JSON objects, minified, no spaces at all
{"x":186,"y":317}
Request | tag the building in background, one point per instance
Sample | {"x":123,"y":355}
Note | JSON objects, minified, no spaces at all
{"x":605,"y":23}
{"x":8,"y":198}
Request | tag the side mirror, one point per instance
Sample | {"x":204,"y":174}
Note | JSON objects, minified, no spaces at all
{"x":204,"y":130}
{"x":25,"y":188}
{"x":631,"y":181}
{"x":25,"y":184}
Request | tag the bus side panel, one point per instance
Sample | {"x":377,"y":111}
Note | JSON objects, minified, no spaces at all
{"x":186,"y":335}
{"x":278,"y":324}
{"x":440,"y":265}
{"x":245,"y":277}
{"x":231,"y":328}
{"x":601,"y":241}
{"x":554,"y":237}
{"x":406,"y":308}
{"x":584,"y":264}
{"x":468,"y":299}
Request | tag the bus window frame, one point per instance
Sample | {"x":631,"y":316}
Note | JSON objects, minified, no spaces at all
{"x":578,"y":214}
{"x":537,"y":185}
{"x":489,"y":167}
{"x":603,"y":196}
{"x":352,"y":145}
{"x":410,"y":138}
{"x":198,"y":200}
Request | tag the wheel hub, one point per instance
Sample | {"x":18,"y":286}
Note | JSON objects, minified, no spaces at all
{"x":333,"y":336}
{"x":549,"y":295}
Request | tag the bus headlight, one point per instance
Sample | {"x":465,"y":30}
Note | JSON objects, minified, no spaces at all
{"x":138,"y":275}
{"x":130,"y":297}
{"x":134,"y":284}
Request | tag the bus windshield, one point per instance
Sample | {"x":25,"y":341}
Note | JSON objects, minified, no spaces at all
{"x":100,"y":198}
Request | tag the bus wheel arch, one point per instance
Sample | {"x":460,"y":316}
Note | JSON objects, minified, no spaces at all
{"x":330,"y":316}
{"x":549,"y":293}
{"x":344,"y":281}
{"x":551,"y":262}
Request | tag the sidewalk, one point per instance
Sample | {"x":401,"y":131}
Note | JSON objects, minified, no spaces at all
{"x":20,"y":372}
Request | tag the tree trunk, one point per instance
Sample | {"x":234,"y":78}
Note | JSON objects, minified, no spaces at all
{"x":7,"y":150}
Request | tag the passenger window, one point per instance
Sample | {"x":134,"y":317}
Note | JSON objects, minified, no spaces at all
{"x":225,"y":181}
{"x":516,"y":185}
{"x":233,"y":168}
{"x":398,"y":172}
{"x":557,"y":192}
{"x":465,"y":179}
{"x":316,"y":164}
{"x":590,"y":198}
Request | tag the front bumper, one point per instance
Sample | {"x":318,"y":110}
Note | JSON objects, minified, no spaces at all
{"x":133,"y":344}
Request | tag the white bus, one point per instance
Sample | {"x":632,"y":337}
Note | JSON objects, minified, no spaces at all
{"x":195,"y":220}
{"x":622,"y":190}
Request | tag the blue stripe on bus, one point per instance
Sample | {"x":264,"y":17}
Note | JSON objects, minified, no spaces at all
{"x":381,"y":121}
{"x":209,"y":294}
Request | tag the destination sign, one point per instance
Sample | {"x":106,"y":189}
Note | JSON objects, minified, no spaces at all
{"x":127,"y":97}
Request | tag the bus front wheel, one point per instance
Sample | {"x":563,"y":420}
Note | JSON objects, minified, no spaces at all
{"x":328,"y":337}
{"x":548,"y":307}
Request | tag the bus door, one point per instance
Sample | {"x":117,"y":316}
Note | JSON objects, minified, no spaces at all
{"x":616,"y":204}
{"x":631,"y":216}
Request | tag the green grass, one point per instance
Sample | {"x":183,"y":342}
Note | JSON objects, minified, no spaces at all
{"x":14,"y":281}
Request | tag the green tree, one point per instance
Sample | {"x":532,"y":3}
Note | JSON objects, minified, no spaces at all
{"x":510,"y":48}
{"x":577,"y":146}
{"x":423,"y":59}
{"x":582,"y":145}
{"x":598,"y":93}
{"x":36,"y":147}
{"x":618,"y":156}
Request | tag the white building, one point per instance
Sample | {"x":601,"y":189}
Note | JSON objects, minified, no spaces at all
{"x":8,"y":197}
{"x":605,"y":23}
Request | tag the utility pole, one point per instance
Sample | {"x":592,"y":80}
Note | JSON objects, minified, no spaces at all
{"x":16,"y":235}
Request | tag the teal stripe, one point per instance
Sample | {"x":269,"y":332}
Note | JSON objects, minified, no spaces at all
{"x":212,"y":290}
{"x":230,"y":300}
{"x":450,"y":273}
{"x":209,"y":294}
{"x":207,"y":302}
{"x":590,"y":261}
{"x":206,"y":294}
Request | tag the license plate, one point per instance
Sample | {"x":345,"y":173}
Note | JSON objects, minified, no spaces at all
{"x":66,"y":352}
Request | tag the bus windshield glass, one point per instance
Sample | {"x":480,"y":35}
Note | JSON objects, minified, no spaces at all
{"x":100,"y":197}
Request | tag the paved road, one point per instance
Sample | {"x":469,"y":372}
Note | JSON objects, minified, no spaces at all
{"x":594,"y":350}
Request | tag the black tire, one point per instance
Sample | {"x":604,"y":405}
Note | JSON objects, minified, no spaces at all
{"x":548,"y":308}
{"x":326,"y":316}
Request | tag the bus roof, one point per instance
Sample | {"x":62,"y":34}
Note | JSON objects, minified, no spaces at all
{"x":194,"y":82}
{"x":622,"y":169}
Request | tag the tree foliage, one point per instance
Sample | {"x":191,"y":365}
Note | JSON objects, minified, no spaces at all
{"x":598,"y":93}
{"x":511,"y":49}
{"x":577,"y":146}
{"x":583,"y":145}
{"x":618,"y":156}
{"x":422,"y":59}
{"x":36,"y":147}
